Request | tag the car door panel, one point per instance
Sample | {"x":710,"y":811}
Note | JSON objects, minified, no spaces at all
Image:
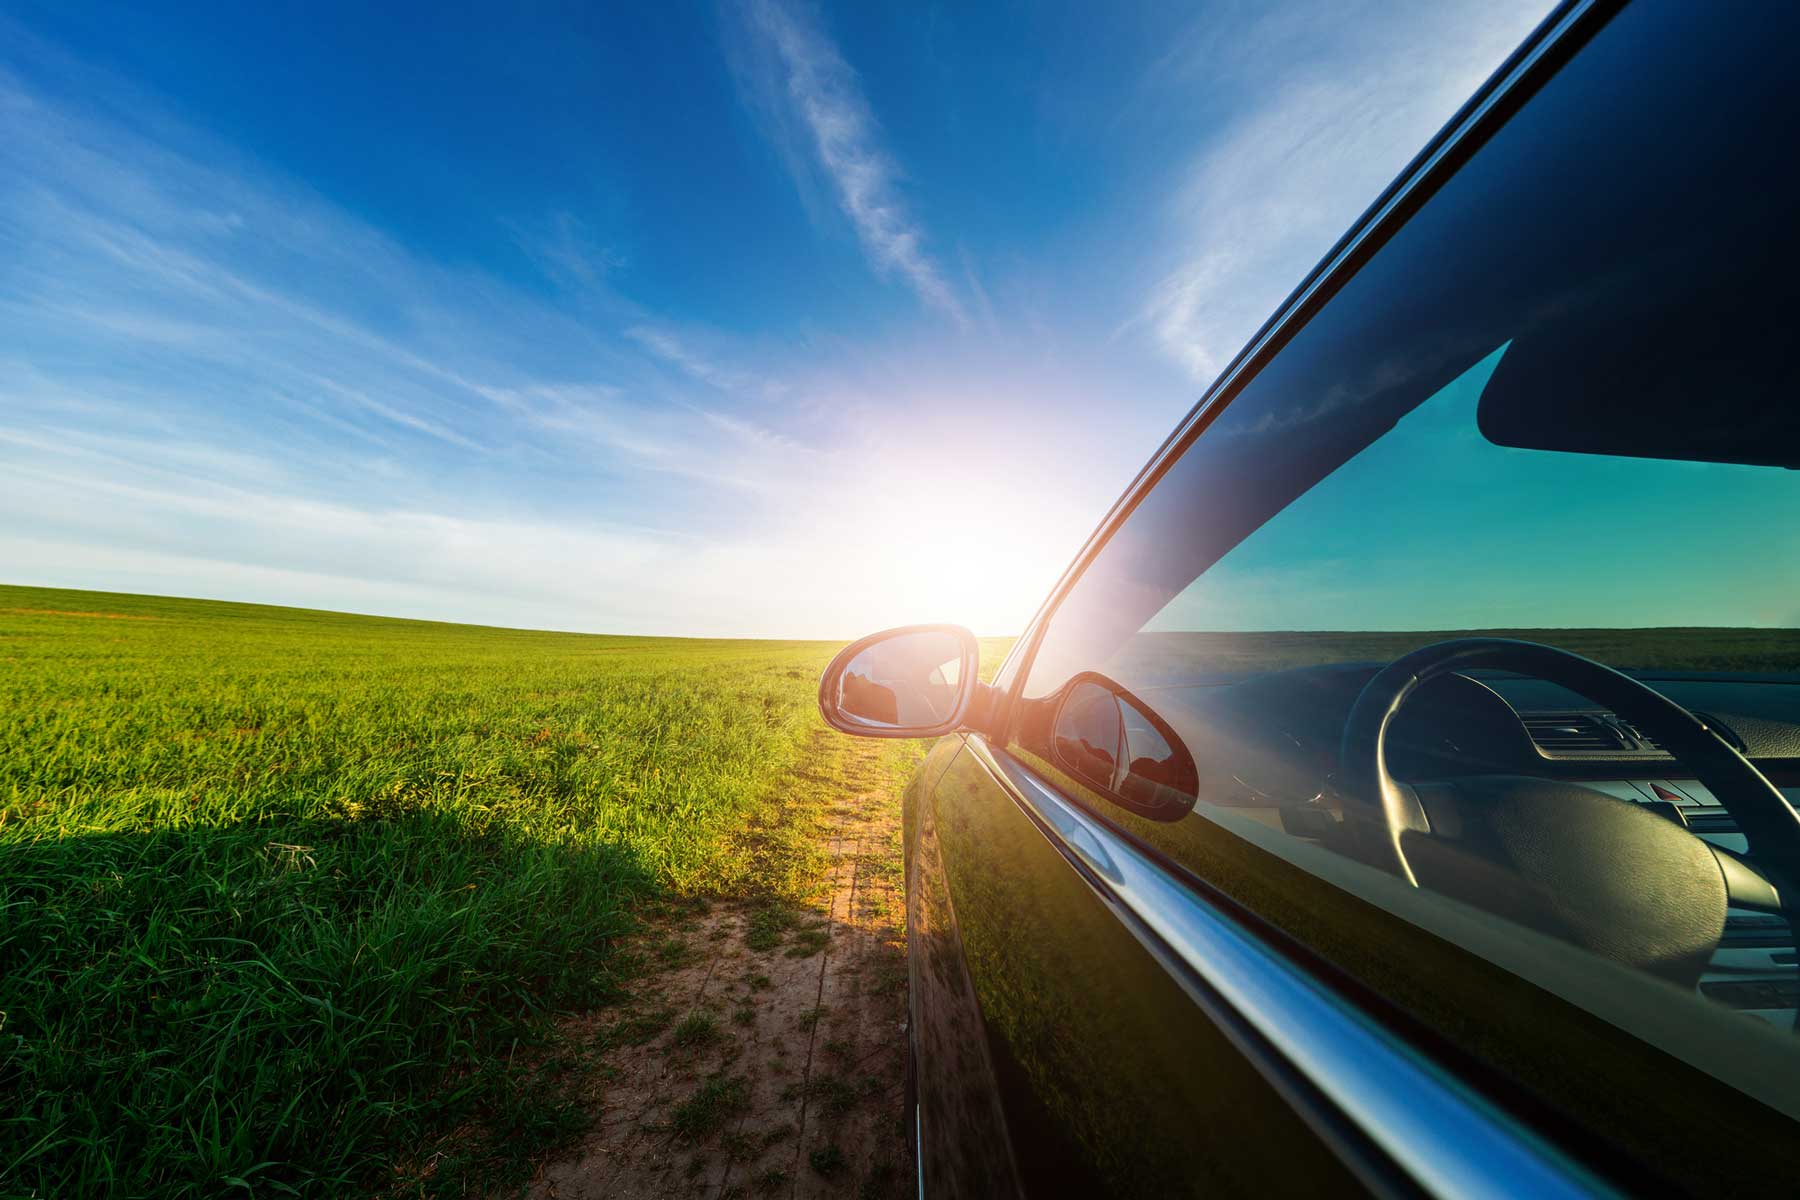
{"x":1110,"y":1079}
{"x":963,"y":1146}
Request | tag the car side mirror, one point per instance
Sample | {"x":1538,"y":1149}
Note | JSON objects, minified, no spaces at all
{"x":918,"y":681}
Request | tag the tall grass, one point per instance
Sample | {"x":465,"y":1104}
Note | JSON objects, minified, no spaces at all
{"x":280,"y":890}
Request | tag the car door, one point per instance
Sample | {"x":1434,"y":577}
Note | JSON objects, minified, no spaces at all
{"x":1169,"y":961}
{"x":1057,"y":1053}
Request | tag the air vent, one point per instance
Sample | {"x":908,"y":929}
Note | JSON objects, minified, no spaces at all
{"x":1573,"y":733}
{"x":1713,"y":723}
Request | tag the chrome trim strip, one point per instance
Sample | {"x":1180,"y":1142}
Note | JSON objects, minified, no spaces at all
{"x":919,"y":1150}
{"x":1249,"y":359}
{"x":1448,"y":1140}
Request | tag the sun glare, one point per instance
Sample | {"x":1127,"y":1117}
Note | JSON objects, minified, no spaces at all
{"x":939,"y":543}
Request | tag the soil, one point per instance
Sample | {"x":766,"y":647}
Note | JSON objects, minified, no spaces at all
{"x":766,"y":1056}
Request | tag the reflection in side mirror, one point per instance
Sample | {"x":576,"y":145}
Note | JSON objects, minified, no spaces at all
{"x":910,"y":682}
{"x":1111,"y":741}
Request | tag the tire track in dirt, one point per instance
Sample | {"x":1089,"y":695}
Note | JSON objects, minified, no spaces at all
{"x":765,"y":1057}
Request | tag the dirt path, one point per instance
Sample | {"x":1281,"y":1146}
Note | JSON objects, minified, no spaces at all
{"x":765,"y":1057}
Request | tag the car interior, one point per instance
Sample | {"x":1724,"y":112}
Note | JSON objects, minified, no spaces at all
{"x":1623,"y":789}
{"x":1627,"y":789}
{"x":1274,"y":742}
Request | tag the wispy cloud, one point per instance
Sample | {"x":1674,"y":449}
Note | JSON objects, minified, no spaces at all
{"x":752,"y":432}
{"x":824,"y":94}
{"x":566,"y":250}
{"x":673,"y":349}
{"x":400,"y":416}
{"x":1352,"y":92}
{"x":106,"y":512}
{"x":287,"y":391}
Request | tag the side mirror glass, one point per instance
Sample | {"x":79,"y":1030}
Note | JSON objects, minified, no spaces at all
{"x":912,"y":682}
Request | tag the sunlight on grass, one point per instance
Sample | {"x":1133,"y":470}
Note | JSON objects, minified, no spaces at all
{"x":282,"y":888}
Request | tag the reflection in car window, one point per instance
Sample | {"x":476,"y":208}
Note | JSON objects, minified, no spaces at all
{"x":1148,"y":755}
{"x":1106,"y":738}
{"x":1087,"y":735}
{"x":1554,"y":406}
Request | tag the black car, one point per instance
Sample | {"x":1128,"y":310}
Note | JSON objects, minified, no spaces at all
{"x":1394,"y":794}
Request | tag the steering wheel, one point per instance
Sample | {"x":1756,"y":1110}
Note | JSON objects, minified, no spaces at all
{"x":1570,"y":860}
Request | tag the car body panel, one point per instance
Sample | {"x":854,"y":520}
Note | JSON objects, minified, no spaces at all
{"x":1105,"y":1078}
{"x":963,"y":1144}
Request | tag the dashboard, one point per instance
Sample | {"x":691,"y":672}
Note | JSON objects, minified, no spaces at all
{"x":1267,"y":746}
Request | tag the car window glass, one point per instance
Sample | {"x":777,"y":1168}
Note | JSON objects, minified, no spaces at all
{"x":1087,"y":735}
{"x":1156,"y":772}
{"x":1435,"y":457}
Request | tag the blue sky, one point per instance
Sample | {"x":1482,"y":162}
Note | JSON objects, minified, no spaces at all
{"x":745,"y":319}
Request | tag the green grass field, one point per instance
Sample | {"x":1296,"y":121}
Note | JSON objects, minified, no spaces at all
{"x":287,"y":898}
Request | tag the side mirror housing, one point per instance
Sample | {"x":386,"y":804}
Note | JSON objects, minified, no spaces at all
{"x":918,"y":681}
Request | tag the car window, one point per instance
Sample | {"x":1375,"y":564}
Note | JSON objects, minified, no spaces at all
{"x":1556,"y":406}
